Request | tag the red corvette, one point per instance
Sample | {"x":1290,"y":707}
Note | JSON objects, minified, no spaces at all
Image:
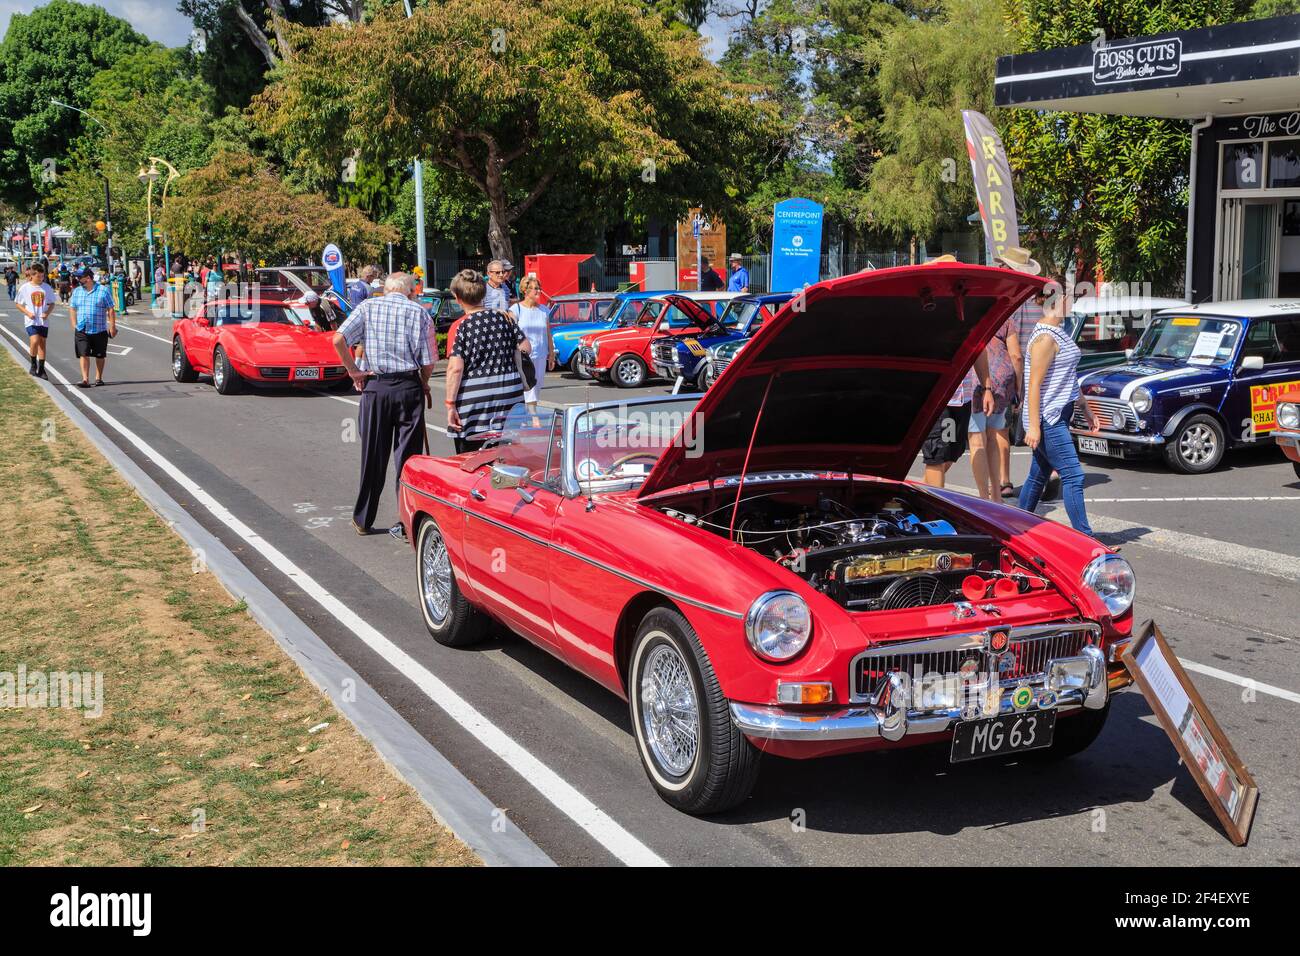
{"x":262,"y":341}
{"x":623,"y":355}
{"x":754,"y":574}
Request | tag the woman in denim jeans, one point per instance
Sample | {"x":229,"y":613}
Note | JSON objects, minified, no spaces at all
{"x":1051,"y":389}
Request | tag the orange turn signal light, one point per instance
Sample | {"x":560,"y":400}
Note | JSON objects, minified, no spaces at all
{"x":818,"y":692}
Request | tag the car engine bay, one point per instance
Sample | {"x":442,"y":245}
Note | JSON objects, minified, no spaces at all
{"x":883,"y":553}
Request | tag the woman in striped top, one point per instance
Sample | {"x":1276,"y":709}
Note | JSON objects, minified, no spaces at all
{"x":1051,"y":389}
{"x":483,"y":381}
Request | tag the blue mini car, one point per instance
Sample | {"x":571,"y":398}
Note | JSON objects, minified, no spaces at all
{"x":1201,"y":379}
{"x":612,"y":313}
{"x":688,"y":357}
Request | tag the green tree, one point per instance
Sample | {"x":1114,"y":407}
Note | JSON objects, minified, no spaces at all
{"x":929,"y":71}
{"x":149,"y":103}
{"x":239,"y":204}
{"x":1106,"y":192}
{"x":52,"y":53}
{"x":513,"y":99}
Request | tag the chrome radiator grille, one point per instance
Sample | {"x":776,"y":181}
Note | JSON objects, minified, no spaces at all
{"x":1114,"y":414}
{"x":665,"y":353}
{"x":1031,"y":647}
{"x":587,"y":355}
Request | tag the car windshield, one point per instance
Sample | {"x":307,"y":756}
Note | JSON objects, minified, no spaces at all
{"x":1105,"y":331}
{"x":530,"y":438}
{"x":1196,"y":340}
{"x":738,"y":313}
{"x":246,"y":313}
{"x":626,"y":311}
{"x":618,"y":445}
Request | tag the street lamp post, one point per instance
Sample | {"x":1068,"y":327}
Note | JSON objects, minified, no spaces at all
{"x":150,"y":176}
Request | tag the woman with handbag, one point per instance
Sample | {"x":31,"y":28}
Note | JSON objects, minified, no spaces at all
{"x":989,"y":442}
{"x":533,"y":319}
{"x":483,"y":381}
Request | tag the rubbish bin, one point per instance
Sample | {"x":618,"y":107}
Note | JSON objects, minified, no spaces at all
{"x":118,"y":286}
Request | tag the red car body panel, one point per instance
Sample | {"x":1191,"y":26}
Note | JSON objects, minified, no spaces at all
{"x":636,"y":339}
{"x":582,"y":573}
{"x":252,"y":347}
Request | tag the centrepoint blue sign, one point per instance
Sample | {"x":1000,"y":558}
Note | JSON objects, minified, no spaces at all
{"x":796,"y":244}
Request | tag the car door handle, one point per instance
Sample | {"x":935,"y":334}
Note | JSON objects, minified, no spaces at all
{"x":478,"y":495}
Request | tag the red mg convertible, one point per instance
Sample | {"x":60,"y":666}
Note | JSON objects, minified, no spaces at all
{"x":262,"y":341}
{"x":754,"y":574}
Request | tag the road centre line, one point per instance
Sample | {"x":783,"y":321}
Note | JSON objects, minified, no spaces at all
{"x":559,"y":792}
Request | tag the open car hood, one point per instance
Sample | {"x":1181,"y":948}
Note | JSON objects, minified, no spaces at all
{"x":849,"y":380}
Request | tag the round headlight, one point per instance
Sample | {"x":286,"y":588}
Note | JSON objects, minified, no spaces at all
{"x":1141,"y":400}
{"x":778,"y":625}
{"x":1111,"y":578}
{"x":1288,"y":414}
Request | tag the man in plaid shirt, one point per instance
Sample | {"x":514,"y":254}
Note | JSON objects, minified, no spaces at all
{"x":94,"y":322}
{"x":394,"y":387}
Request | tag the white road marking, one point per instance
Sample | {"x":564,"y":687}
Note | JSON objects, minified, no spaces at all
{"x":1241,"y":681}
{"x":558,"y":791}
{"x":357,"y":401}
{"x":1233,"y":625}
{"x":121,"y":325}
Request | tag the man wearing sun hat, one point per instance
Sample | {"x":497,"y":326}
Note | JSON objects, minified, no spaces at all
{"x":739,"y":281}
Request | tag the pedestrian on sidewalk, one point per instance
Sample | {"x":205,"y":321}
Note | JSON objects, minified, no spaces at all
{"x":94,"y":321}
{"x":1019,"y":259}
{"x":990,"y":445}
{"x":497,"y":293}
{"x":534,"y":318}
{"x":739,"y":281}
{"x":394,"y":388}
{"x":483,"y":381}
{"x":1051,"y":371}
{"x":35,"y":300}
{"x":11,"y":281}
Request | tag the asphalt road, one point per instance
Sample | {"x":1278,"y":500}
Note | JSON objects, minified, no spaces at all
{"x":1218,"y":564}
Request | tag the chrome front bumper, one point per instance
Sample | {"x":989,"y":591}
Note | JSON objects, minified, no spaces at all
{"x":1120,"y":436}
{"x":1076,"y":681}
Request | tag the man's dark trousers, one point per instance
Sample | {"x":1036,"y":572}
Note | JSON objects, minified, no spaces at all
{"x":391,"y":420}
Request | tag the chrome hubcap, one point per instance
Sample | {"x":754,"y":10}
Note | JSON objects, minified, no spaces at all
{"x":1198,"y":445}
{"x":218,"y":371}
{"x":176,"y":361}
{"x":670,"y":714}
{"x":435,"y":576}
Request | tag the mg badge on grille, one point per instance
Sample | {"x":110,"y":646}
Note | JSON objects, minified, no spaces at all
{"x":998,"y":641}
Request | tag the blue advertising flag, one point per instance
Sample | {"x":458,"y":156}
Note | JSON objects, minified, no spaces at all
{"x":796,"y":244}
{"x":332,"y":260}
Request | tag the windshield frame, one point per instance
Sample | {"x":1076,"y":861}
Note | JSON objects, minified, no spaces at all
{"x":571,"y":485}
{"x":1160,"y":321}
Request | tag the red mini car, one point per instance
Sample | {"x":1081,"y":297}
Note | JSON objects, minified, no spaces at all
{"x":623,"y":355}
{"x":263,"y":341}
{"x":754,"y":574}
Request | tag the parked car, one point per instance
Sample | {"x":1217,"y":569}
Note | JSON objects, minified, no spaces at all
{"x":689,"y":357}
{"x":1287,"y":430}
{"x":442,"y":308}
{"x":623,"y":356}
{"x":1201,"y":379}
{"x":621,"y":312}
{"x":1105,"y":327}
{"x":754,"y":574}
{"x":265,"y":342}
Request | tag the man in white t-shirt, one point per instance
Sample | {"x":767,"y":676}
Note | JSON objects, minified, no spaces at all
{"x":35,"y":300}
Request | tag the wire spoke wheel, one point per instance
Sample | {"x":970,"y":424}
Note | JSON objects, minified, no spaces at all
{"x":670,"y":712}
{"x":435,"y":577}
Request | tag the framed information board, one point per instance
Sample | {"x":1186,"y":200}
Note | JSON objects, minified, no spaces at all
{"x":1218,"y":771}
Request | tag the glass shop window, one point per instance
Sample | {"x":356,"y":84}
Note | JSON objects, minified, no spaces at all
{"x":1284,"y":164}
{"x":1243,"y":165}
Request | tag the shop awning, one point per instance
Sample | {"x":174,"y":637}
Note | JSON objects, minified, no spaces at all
{"x":1237,"y":68}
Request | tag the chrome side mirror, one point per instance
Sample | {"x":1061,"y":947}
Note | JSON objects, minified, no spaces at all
{"x":511,"y":476}
{"x":1252,"y":363}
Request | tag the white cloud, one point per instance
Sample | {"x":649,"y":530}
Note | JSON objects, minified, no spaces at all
{"x":157,"y":19}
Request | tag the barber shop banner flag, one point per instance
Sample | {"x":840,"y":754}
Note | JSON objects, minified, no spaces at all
{"x":332,"y":260}
{"x":988,"y":163}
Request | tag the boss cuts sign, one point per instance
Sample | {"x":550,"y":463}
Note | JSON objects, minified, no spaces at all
{"x":1133,"y":62}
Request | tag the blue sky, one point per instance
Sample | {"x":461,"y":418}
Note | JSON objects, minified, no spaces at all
{"x":156,"y":19}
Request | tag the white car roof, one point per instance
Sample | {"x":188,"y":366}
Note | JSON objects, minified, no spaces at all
{"x":1102,"y":304}
{"x":709,"y":296}
{"x":1244,"y":308}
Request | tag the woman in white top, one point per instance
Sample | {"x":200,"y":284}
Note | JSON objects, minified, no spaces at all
{"x":534,"y":319}
{"x":1052,"y":387}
